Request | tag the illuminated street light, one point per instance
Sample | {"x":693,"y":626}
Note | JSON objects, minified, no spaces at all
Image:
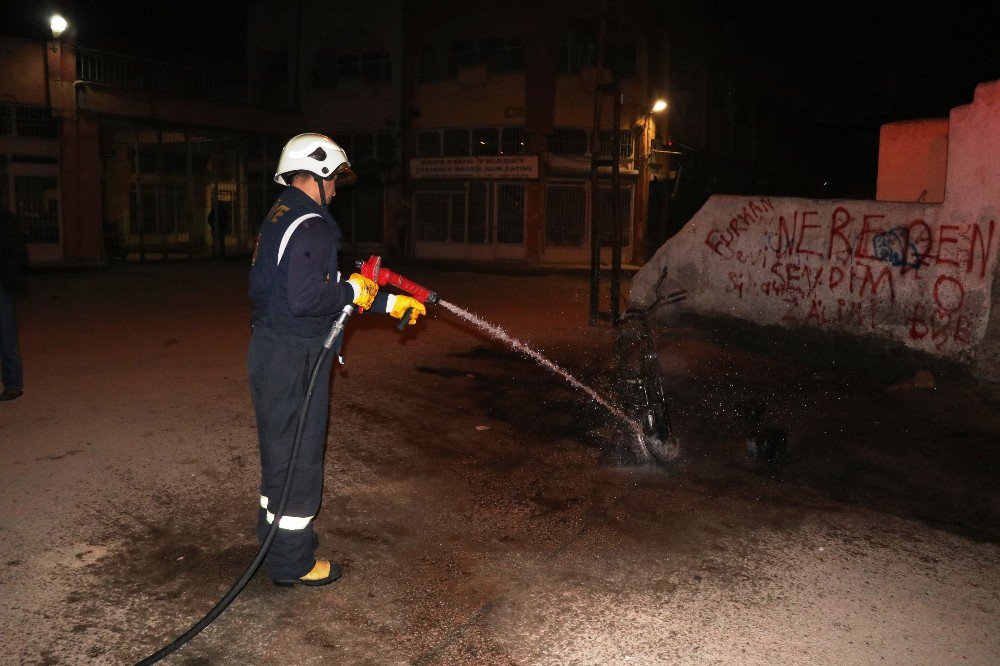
{"x":660,"y":105}
{"x":58,"y":25}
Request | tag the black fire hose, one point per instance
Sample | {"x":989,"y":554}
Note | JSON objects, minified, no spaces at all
{"x":338,"y":327}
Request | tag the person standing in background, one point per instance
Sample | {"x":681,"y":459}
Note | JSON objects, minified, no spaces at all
{"x":13,"y":262}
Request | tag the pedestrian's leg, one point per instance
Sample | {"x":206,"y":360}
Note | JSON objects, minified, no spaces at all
{"x":11,"y":368}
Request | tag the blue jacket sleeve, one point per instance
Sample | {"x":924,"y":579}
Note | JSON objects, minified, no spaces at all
{"x":311,"y":290}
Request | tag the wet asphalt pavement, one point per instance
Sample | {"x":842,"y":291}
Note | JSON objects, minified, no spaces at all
{"x":485,"y":512}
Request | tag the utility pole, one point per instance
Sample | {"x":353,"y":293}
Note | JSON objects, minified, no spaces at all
{"x":602,"y":91}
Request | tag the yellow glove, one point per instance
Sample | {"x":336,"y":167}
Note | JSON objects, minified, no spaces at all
{"x":404,"y":303}
{"x":365,"y":290}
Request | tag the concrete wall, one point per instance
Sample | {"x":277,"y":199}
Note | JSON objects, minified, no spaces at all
{"x":919,"y":274}
{"x":22,"y":71}
{"x":913,"y":161}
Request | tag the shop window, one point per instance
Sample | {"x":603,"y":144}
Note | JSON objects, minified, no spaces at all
{"x":475,"y":228}
{"x":436,"y":213}
{"x":485,"y":141}
{"x":494,"y":214}
{"x":510,"y":213}
{"x":429,"y":144}
{"x":568,"y":141}
{"x":456,"y":142}
{"x":565,"y":215}
{"x":513,"y":141}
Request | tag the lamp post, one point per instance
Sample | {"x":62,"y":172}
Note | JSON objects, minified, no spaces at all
{"x":58,"y":25}
{"x":642,"y":165}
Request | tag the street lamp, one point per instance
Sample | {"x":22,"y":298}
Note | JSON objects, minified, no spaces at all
{"x":660,"y":105}
{"x":58,"y":25}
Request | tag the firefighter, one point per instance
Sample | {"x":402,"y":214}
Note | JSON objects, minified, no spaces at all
{"x":297,"y":290}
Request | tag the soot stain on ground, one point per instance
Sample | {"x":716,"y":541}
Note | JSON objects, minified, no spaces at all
{"x":447,"y":373}
{"x":542,"y":407}
{"x":890,"y":453}
{"x":169,"y":572}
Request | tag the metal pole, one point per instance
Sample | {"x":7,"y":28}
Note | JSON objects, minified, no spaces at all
{"x":138,"y":223}
{"x":616,"y":223}
{"x":595,"y":149}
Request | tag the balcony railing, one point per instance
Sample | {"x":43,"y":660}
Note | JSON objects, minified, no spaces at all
{"x":157,"y":77}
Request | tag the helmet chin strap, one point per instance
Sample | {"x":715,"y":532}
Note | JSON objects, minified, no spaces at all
{"x":322,"y":190}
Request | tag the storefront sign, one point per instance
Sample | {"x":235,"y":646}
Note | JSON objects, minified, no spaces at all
{"x":477,"y":168}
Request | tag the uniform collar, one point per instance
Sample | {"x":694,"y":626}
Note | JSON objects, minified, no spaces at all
{"x":295,"y":197}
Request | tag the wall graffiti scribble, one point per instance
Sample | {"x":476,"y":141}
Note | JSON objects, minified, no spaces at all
{"x":858,"y":266}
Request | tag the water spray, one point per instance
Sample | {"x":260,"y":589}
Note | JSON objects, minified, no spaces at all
{"x":647,"y":446}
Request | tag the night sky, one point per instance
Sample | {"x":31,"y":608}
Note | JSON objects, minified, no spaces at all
{"x":205,"y":34}
{"x":818,"y":69}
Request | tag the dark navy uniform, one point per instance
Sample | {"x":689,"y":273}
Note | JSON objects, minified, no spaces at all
{"x":296,"y":291}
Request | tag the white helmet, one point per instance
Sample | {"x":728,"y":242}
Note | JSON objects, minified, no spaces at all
{"x":318,"y":155}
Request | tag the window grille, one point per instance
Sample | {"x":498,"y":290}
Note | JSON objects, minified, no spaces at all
{"x":568,"y":141}
{"x":497,"y":54}
{"x":510,"y":213}
{"x":577,"y":49}
{"x":370,"y":67}
{"x":429,"y":144}
{"x":603,"y":222}
{"x":513,"y":141}
{"x":363,"y":148}
{"x":385,"y":148}
{"x":479,"y":213}
{"x":37,"y":200}
{"x":445,"y":217}
{"x":456,"y":142}
{"x":434,"y":212}
{"x":565,"y":215}
{"x":6,"y":121}
{"x":359,"y":213}
{"x":430,"y":67}
{"x":607,"y":139}
{"x":621,"y":58}
{"x":486,"y":141}
{"x":28,"y":121}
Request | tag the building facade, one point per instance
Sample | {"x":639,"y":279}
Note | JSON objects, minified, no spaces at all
{"x":499,"y":131}
{"x":482,"y":132}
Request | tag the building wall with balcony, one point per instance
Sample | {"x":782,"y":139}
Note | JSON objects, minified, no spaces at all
{"x":475,"y":75}
{"x":108,"y":157}
{"x":338,"y":68}
{"x":48,"y":170}
{"x":398,"y":83}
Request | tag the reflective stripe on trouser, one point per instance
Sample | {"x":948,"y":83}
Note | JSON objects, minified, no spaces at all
{"x":287,"y":522}
{"x":279,"y":366}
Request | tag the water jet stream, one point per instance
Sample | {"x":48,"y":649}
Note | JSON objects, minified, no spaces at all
{"x":502,"y":335}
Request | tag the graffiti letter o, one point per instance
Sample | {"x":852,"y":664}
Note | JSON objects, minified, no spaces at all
{"x":949,"y":293}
